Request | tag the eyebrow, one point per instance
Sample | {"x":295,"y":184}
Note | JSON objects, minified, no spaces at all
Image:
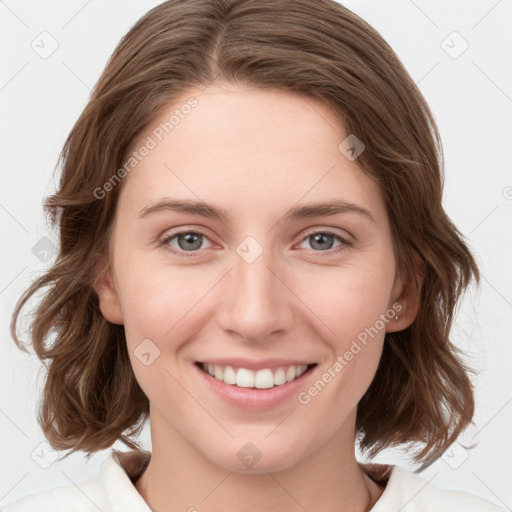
{"x":211,"y":212}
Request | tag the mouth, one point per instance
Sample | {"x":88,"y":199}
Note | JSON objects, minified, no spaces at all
{"x":264,"y":378}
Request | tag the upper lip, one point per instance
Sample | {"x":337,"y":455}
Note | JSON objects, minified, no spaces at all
{"x":251,"y":364}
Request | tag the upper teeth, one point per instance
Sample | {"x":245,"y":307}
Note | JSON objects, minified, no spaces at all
{"x":262,"y":379}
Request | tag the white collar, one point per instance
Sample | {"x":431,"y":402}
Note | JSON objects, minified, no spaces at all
{"x":118,"y":474}
{"x":404,"y":489}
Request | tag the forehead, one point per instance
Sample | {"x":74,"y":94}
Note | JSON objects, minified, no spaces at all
{"x":247,"y":149}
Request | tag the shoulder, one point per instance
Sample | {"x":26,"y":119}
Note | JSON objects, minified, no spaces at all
{"x":112,"y":490}
{"x":86,"y":496}
{"x":409,"y":492}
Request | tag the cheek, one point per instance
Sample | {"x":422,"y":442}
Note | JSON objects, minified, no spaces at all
{"x":154,"y":298}
{"x":349,"y":300}
{"x":346,"y":299}
{"x":354,"y":314}
{"x":159,"y":317}
{"x":355,"y":350}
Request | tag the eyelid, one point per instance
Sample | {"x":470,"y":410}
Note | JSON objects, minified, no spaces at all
{"x":164,"y":240}
{"x":346,"y":243}
{"x":343,"y":234}
{"x":346,"y":240}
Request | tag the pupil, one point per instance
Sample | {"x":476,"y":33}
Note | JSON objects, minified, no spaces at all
{"x":317,"y":240}
{"x":190,"y":238}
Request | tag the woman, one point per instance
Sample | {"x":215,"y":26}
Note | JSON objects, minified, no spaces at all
{"x":288,"y":145}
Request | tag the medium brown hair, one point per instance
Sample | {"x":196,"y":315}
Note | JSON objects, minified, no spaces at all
{"x":421,"y":391}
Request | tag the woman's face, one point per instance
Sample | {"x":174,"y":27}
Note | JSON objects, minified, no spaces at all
{"x":250,"y":275}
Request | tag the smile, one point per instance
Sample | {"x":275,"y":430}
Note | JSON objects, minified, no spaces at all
{"x":264,"y":378}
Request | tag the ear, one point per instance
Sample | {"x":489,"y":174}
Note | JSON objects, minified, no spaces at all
{"x":105,"y":288}
{"x":406,"y":298}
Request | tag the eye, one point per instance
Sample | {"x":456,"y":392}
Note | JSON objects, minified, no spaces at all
{"x":188,"y":243}
{"x":185,"y":242}
{"x":322,"y":241}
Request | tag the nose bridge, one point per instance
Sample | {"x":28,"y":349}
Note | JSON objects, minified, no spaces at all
{"x":256,"y":302}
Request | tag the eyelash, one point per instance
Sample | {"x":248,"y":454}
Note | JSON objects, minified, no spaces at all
{"x":187,"y":254}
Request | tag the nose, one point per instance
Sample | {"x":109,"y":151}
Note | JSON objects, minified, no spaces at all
{"x":257,"y":302}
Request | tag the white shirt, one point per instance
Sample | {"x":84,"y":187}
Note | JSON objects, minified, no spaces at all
{"x":113,"y":490}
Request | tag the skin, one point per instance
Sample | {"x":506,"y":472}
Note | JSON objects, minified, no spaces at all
{"x":295,"y":300}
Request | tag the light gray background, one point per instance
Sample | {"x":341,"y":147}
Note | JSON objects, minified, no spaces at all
{"x":471,"y":97}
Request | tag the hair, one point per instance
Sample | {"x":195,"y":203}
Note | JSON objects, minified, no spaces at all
{"x":421,"y":391}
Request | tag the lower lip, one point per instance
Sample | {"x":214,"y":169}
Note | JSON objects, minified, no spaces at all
{"x":253,"y":398}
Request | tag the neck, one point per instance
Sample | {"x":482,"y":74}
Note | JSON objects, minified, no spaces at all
{"x":178,"y":477}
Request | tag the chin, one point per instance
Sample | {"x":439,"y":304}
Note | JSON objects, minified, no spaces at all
{"x":278,"y":462}
{"x":256,"y":457}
